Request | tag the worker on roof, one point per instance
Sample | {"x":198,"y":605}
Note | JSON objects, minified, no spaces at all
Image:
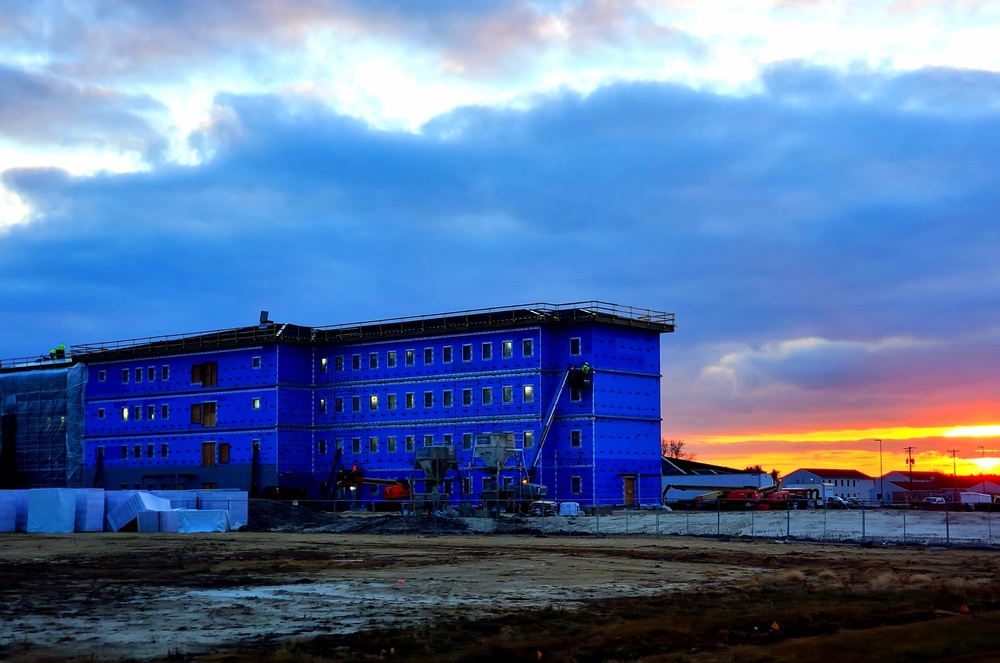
{"x":585,"y":368}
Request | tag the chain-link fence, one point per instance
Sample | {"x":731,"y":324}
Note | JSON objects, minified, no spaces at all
{"x":874,"y":524}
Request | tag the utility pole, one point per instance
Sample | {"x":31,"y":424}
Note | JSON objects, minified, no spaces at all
{"x":910,"y":461}
{"x":954,"y":476}
{"x":954,"y":472}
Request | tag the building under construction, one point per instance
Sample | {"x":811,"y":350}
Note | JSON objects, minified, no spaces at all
{"x":283,"y":409}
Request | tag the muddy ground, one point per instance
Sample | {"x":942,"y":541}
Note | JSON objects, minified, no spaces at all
{"x":463,"y":597}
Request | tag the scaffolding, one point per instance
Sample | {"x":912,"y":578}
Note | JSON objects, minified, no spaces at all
{"x":41,"y":428}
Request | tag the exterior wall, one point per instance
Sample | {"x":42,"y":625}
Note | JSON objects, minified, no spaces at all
{"x":283,"y":409}
{"x":844,"y":487}
{"x":140,"y":430}
{"x":426,"y":372}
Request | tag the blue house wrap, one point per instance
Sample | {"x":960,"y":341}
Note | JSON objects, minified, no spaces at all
{"x":278,"y":409}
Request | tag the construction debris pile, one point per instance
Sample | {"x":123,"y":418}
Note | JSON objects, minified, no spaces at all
{"x":281,"y":516}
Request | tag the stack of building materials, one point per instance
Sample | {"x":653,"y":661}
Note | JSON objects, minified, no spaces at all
{"x":114,"y":499}
{"x":129,"y":510}
{"x":89,"y":510}
{"x":569,"y":508}
{"x":179,"y":499}
{"x":13,"y":510}
{"x":51,"y":510}
{"x":67,"y":510}
{"x":233,"y":501}
{"x":212,"y":520}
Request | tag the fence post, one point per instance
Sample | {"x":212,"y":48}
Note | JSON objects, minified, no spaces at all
{"x":788,"y":521}
{"x":687,"y":522}
{"x":626,"y":522}
{"x":718,"y":517}
{"x":597,"y":518}
{"x":862,"y":522}
{"x":989,"y":524}
{"x":947,"y":523}
{"x":657,"y":522}
{"x":752,"y":523}
{"x":904,"y":522}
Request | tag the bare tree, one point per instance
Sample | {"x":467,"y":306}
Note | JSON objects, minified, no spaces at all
{"x":759,"y":469}
{"x":674,"y":449}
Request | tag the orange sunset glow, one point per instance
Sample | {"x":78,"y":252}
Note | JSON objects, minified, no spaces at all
{"x":964,"y":450}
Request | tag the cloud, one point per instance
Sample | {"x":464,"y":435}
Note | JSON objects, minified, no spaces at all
{"x":812,"y":363}
{"x":831,"y":252}
{"x":41,"y":110}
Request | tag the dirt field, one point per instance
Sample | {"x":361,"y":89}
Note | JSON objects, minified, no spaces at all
{"x":310,"y":597}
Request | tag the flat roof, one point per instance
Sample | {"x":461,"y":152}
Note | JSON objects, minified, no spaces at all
{"x":403,"y":327}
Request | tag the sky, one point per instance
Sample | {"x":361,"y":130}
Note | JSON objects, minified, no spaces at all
{"x":812,"y":187}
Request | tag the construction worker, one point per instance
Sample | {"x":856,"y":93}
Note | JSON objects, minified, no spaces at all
{"x":61,"y":351}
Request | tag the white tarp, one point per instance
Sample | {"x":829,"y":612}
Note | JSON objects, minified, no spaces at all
{"x":191,"y":521}
{"x":89,"y":510}
{"x":13,"y":510}
{"x":127,"y":511}
{"x":51,"y":510}
{"x":233,"y":501}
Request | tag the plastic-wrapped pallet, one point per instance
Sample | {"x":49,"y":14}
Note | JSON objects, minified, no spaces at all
{"x":114,"y":499}
{"x":89,"y":510}
{"x":13,"y":510}
{"x":203,"y":521}
{"x":148,"y":521}
{"x":170,"y":521}
{"x":51,"y":510}
{"x":179,"y":499}
{"x":233,"y":501}
{"x":569,"y":508}
{"x":128,"y":510}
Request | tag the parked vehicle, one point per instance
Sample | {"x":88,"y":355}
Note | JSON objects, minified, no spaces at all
{"x":836,"y":502}
{"x":854,"y":503}
{"x":974,"y":501}
{"x":934,"y":500}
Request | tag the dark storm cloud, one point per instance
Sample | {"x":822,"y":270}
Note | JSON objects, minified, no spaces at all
{"x":817,"y":209}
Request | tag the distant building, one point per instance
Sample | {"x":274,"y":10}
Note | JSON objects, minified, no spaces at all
{"x":914,"y":486}
{"x":687,"y":479}
{"x":279,"y":408}
{"x":839,"y":482}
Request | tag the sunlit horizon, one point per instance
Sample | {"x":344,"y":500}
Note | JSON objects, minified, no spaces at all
{"x":873,"y":451}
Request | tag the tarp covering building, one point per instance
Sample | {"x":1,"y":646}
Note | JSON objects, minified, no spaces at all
{"x":41,"y":428}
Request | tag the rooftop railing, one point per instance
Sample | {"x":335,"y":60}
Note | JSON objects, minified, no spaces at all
{"x":491,"y":317}
{"x":272,"y":332}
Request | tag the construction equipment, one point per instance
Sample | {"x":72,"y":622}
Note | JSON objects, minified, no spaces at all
{"x":512,"y":494}
{"x":435,"y":463}
{"x":351,"y":479}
